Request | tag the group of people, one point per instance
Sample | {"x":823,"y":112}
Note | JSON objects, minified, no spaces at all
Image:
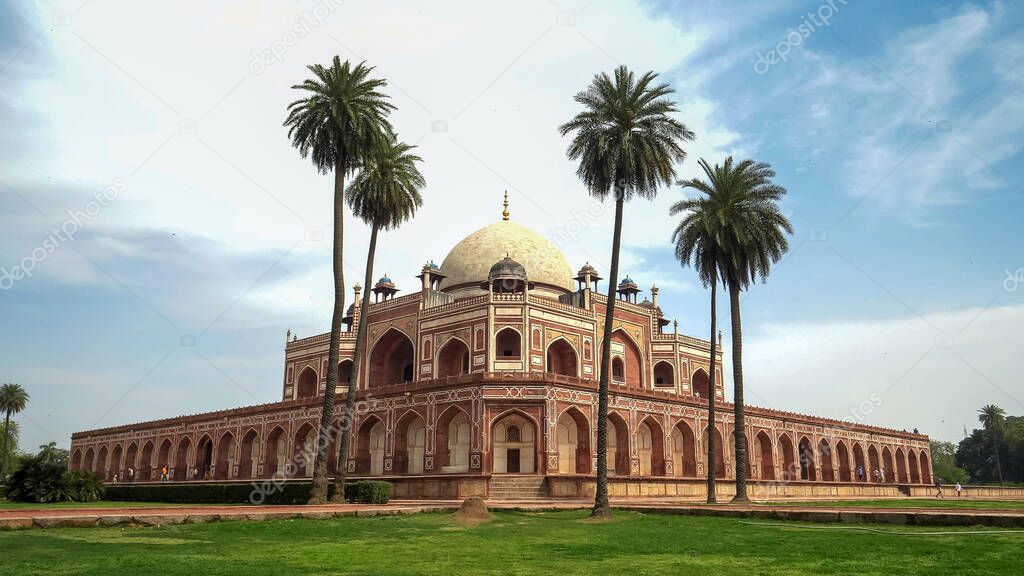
{"x":877,"y":475}
{"x":129,"y":475}
{"x":938,"y":489}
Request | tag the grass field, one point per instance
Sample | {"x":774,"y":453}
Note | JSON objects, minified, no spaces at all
{"x":948,"y":503}
{"x":559,"y":543}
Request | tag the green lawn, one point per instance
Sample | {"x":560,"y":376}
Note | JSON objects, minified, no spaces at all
{"x":8,"y":505}
{"x":555,"y":543}
{"x":912,"y":503}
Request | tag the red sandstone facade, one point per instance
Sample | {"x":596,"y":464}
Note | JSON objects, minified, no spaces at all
{"x":466,"y":385}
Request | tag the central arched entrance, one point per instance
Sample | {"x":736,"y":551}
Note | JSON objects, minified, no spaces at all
{"x":514,"y":442}
{"x":391,"y":360}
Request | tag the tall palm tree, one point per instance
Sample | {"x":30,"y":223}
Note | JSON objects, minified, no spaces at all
{"x":697,"y":238}
{"x":752,"y":236}
{"x":993,"y":418}
{"x":627,"y":144}
{"x":385,"y":194}
{"x":340,"y":120}
{"x":13,"y":399}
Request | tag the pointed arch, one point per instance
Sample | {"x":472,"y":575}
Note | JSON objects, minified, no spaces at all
{"x":344,"y":372}
{"x":790,"y":466}
{"x":275,"y":452}
{"x":249,"y":457}
{"x":410,"y":443}
{"x":101,"y":463}
{"x":861,"y":471}
{"x":720,"y":469}
{"x":181,"y":459}
{"x":391,"y":359}
{"x":763,"y":455}
{"x":76,"y":459}
{"x":116,"y":467}
{"x":453,"y":440}
{"x":130,"y":457}
{"x":145,"y":471}
{"x":514,"y":443}
{"x":562,"y":358}
{"x":204,"y":457}
{"x":304,"y":450}
{"x":307,"y":383}
{"x":901,"y":467}
{"x":684,"y":451}
{"x":508,"y":344}
{"x":700,"y":384}
{"x":889,"y":473}
{"x":224,"y":468}
{"x":632,"y":373}
{"x":806,"y":452}
{"x":926,"y":469}
{"x":825,"y":465}
{"x":617,"y":452}
{"x":369,"y":446}
{"x":573,"y":442}
{"x":873,"y":462}
{"x":915,"y":470}
{"x":843,"y":455}
{"x":90,"y":460}
{"x":650,"y":439}
{"x":452,"y":358}
{"x":664,"y":374}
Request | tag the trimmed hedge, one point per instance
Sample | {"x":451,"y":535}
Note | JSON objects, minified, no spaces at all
{"x":256,"y":492}
{"x":368,"y":492}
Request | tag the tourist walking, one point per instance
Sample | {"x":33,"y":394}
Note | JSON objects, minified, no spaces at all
{"x":163,"y":473}
{"x":959,"y":489}
{"x":938,"y":489}
{"x":131,"y":474}
{"x":860,"y":473}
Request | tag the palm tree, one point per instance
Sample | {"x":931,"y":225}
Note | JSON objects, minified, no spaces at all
{"x":13,"y":399}
{"x":627,"y":144}
{"x":993,"y":418}
{"x":751,"y":232}
{"x":385,"y":194}
{"x":341,"y":119}
{"x":696,"y":238}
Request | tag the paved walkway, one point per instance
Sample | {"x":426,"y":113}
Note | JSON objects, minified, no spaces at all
{"x":164,"y":515}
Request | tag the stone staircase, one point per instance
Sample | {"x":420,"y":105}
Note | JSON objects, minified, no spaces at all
{"x":517,"y":487}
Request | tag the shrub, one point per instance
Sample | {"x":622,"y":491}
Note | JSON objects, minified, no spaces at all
{"x":41,"y":480}
{"x":368,"y":492}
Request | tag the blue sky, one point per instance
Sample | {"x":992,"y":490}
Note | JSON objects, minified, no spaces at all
{"x":896,"y":127}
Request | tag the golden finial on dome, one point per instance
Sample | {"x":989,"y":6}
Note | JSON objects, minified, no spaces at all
{"x":504,"y":214}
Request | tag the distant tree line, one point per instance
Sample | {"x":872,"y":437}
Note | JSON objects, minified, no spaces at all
{"x":991,"y":454}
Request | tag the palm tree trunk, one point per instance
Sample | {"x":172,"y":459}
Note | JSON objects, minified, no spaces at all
{"x":353,"y":379}
{"x":318,"y":491}
{"x":712,"y":465}
{"x":737,"y":381}
{"x":3,"y":463}
{"x":995,"y":444}
{"x":601,"y":507}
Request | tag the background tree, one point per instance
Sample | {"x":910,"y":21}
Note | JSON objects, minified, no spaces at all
{"x":627,"y":144}
{"x":944,"y":466}
{"x":384,"y":195}
{"x":993,"y":418}
{"x":337,"y":124}
{"x":697,"y":240}
{"x":13,"y":399}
